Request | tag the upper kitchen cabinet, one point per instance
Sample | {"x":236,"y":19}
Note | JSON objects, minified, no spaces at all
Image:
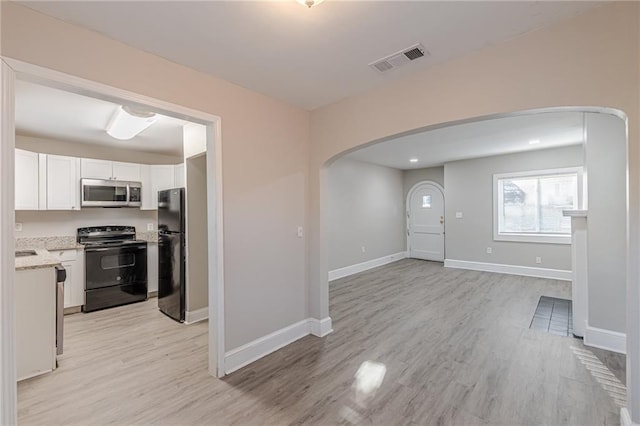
{"x":156,"y":178}
{"x":96,"y":169}
{"x":110,"y":170}
{"x":126,"y":171}
{"x":63,"y":183}
{"x":27,"y":180}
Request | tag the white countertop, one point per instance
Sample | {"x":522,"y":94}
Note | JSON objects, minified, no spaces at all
{"x":42,"y":259}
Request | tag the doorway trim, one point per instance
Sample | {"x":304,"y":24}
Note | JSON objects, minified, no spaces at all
{"x":12,"y":69}
{"x":407,"y":214}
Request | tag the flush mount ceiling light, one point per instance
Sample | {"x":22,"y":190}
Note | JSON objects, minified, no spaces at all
{"x":413,"y":160}
{"x":128,"y":122}
{"x":310,"y":3}
{"x":534,"y":141}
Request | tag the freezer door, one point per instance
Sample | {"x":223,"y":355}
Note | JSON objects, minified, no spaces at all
{"x":171,"y":210}
{"x":171,"y":275}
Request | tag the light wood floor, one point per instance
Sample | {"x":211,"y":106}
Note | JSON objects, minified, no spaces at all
{"x":455,"y":346}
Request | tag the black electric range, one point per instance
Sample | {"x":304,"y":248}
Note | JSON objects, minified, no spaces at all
{"x":115,"y":266}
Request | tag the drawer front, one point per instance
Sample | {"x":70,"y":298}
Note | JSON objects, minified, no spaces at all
{"x":65,"y":255}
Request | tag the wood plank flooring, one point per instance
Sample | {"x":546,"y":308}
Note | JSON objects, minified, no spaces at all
{"x":414,"y":343}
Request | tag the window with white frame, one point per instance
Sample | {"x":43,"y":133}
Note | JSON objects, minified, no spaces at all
{"x":529,"y":205}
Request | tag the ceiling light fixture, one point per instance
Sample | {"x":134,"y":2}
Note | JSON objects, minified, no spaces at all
{"x":534,"y":141}
{"x":309,"y":3}
{"x":413,"y":160}
{"x":128,"y":122}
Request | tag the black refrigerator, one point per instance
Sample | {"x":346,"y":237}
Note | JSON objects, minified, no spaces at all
{"x":171,"y":253}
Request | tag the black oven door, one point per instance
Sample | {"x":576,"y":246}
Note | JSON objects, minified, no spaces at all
{"x":115,"y":275}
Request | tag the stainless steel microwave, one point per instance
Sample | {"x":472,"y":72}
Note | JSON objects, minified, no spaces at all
{"x":110,"y":193}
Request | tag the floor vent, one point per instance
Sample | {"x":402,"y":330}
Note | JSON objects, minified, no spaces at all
{"x":553,"y":316}
{"x":397,"y":59}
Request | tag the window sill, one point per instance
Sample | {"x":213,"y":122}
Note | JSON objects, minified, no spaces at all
{"x":539,"y":239}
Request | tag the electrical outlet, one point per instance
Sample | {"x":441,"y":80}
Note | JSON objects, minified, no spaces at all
{"x":538,"y":259}
{"x":458,"y":215}
{"x":18,"y":226}
{"x":300,"y":232}
{"x":489,"y":250}
{"x":149,"y":226}
{"x":363,"y":249}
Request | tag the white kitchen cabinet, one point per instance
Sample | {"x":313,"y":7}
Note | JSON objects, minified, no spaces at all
{"x":27,"y":180}
{"x":181,"y":177}
{"x":96,"y":169}
{"x":35,"y":317}
{"x":155,"y":178}
{"x":126,"y":171}
{"x":63,"y":183}
{"x":152,"y":267}
{"x":102,"y":169}
{"x":73,"y":262}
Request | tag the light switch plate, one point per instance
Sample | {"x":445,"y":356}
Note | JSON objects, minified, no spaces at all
{"x":458,"y":215}
{"x":18,"y":226}
{"x":149,"y":226}
{"x":300,"y":232}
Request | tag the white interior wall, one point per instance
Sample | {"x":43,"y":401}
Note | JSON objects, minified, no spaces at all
{"x":197,"y":249}
{"x":606,"y":221}
{"x":469,"y":190}
{"x":411,"y":177}
{"x":366,"y":209}
{"x":49,"y":223}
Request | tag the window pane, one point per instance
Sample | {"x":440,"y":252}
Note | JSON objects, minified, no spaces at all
{"x":426,"y":201}
{"x":557,"y":193}
{"x":534,"y":204}
{"x":519,"y":198}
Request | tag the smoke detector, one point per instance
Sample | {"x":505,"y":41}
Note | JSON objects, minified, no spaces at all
{"x":400,"y":58}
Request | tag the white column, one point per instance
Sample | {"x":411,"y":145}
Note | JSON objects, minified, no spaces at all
{"x":579,"y":281}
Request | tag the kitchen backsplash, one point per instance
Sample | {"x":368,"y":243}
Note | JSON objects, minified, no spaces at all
{"x":50,"y":223}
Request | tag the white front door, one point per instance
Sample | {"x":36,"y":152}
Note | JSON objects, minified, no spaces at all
{"x":425,"y":222}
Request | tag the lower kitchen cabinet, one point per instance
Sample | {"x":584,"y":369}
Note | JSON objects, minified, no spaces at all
{"x":152,"y":267}
{"x":35,"y":316}
{"x":73,"y":262}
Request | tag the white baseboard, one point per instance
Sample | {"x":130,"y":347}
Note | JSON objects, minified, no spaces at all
{"x":191,"y":317}
{"x":605,"y":339}
{"x":253,"y":351}
{"x":364,"y":266}
{"x":625,"y":417}
{"x":321,"y":327}
{"x":554,"y":274}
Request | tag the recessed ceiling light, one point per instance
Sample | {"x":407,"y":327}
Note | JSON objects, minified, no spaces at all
{"x":534,"y":141}
{"x":413,"y":160}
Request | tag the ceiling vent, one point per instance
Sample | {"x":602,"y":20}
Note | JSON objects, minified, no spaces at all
{"x":397,"y":59}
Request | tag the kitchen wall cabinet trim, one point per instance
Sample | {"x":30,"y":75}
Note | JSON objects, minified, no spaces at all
{"x":42,"y":185}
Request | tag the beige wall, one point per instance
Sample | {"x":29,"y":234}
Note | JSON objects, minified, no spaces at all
{"x":58,"y":147}
{"x":265,"y":161}
{"x":589,"y":60}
